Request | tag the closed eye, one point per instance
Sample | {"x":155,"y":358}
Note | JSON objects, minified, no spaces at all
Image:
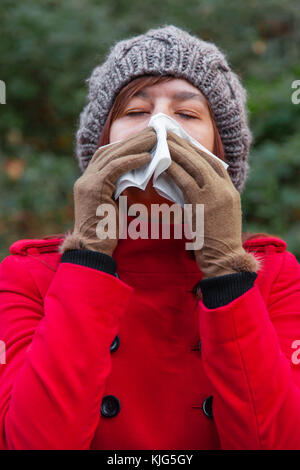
{"x":187,"y":116}
{"x":136,"y":113}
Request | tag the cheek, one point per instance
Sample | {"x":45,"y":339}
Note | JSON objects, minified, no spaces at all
{"x":203,"y":132}
{"x":120,"y":129}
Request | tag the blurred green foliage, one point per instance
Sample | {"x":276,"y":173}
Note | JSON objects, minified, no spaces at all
{"x":48,"y":49}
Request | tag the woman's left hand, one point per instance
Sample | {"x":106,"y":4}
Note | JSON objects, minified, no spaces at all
{"x":204,"y":180}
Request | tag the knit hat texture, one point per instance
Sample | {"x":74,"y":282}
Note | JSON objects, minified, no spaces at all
{"x":170,"y":51}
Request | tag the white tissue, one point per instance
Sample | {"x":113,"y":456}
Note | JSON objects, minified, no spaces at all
{"x":160,"y":161}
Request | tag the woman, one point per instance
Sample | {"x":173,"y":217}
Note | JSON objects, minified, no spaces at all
{"x":139,"y":343}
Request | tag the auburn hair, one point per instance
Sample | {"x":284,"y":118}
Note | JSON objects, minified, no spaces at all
{"x":118,"y":107}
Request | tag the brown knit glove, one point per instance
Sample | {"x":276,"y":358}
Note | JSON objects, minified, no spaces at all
{"x":97,"y":185}
{"x":203,"y":180}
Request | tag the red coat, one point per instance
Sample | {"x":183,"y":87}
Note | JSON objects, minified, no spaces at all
{"x":59,"y":321}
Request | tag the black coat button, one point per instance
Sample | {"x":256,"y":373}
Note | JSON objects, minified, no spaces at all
{"x":197,"y":347}
{"x":115,"y":344}
{"x":207,"y":407}
{"x":110,"y":406}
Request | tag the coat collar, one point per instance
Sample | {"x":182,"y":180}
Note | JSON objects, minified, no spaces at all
{"x":155,"y":255}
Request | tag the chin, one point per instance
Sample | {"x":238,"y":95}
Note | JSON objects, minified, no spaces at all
{"x":147,"y":197}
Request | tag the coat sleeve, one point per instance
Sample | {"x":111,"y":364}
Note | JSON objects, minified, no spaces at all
{"x":57,"y":353}
{"x":250,"y":355}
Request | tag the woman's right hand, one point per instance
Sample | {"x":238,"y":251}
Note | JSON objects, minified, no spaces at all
{"x":97,"y":185}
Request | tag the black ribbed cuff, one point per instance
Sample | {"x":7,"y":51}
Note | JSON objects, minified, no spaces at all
{"x":222,"y":290}
{"x":91,"y":259}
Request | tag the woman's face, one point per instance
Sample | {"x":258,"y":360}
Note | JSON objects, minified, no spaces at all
{"x":178,"y":99}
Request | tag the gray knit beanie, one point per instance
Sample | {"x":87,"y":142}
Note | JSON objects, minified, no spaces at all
{"x":170,"y":51}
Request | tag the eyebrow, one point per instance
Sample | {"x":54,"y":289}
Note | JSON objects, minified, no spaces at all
{"x":180,"y":96}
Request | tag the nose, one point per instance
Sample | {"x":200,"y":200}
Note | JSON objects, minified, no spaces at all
{"x":161,"y":110}
{"x":162,"y":107}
